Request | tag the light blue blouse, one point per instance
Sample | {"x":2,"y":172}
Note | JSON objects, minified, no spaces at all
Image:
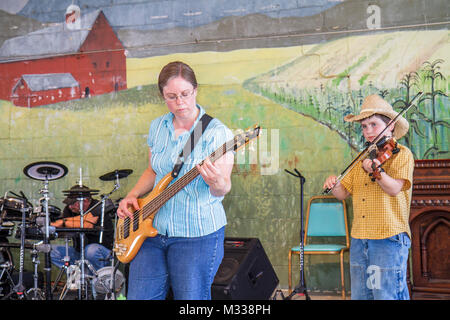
{"x":193,"y":211}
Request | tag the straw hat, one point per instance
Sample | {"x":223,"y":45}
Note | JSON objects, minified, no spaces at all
{"x":374,"y":104}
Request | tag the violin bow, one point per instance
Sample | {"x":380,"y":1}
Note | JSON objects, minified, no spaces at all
{"x":369,"y":146}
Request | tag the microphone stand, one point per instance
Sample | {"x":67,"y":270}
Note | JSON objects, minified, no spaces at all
{"x":301,"y":287}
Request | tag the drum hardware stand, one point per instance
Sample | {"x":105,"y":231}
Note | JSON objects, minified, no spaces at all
{"x":83,"y":287}
{"x":301,"y":287}
{"x":115,"y":175}
{"x":64,"y":269}
{"x":45,"y":171}
{"x":104,"y":197}
{"x":111,"y":295}
{"x":81,"y":194}
{"x":5,"y":267}
{"x":111,"y":291}
{"x":83,"y":290}
{"x":37,"y":292}
{"x":47,"y":266}
{"x":19,"y":289}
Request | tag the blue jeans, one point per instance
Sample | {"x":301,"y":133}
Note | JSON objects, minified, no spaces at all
{"x":95,"y":253}
{"x":187,"y":265}
{"x":378,"y":268}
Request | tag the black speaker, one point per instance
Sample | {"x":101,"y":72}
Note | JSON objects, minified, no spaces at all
{"x":245,"y":272}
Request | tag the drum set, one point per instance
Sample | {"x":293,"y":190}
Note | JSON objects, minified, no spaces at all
{"x":32,"y":226}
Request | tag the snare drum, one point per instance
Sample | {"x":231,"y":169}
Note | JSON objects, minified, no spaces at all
{"x":12,"y":208}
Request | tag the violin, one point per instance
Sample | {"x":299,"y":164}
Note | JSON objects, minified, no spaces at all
{"x":386,"y":147}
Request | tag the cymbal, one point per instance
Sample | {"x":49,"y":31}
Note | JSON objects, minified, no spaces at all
{"x":45,"y":170}
{"x":116,"y":173}
{"x":80,"y":191}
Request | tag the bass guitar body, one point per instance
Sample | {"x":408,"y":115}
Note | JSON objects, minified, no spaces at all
{"x":131,"y":233}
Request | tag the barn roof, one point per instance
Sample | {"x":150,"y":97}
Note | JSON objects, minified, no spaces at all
{"x":51,"y":41}
{"x":49,"y":81}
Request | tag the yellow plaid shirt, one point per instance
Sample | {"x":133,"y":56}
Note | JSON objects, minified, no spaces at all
{"x":376,"y":215}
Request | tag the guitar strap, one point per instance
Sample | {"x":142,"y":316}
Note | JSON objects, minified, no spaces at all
{"x":191,"y":142}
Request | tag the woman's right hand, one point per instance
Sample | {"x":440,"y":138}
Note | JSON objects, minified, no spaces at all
{"x":125,"y":205}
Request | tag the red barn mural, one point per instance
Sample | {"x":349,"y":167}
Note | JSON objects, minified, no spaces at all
{"x":41,"y":89}
{"x":59,"y":63}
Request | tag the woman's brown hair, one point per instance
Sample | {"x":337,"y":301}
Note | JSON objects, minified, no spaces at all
{"x":176,"y":69}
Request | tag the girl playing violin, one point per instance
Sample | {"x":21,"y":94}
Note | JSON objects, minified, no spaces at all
{"x":380,"y":231}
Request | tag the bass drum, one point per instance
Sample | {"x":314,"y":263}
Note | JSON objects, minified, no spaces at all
{"x":103,"y":281}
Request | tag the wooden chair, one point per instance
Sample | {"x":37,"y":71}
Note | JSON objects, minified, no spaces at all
{"x":325,"y":217}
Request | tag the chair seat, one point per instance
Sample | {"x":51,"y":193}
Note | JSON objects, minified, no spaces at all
{"x":320,"y":247}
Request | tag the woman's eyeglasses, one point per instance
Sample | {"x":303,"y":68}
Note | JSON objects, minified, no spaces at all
{"x":183,"y":96}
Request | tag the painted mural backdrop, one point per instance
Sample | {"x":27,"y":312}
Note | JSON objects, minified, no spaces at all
{"x":78,"y":87}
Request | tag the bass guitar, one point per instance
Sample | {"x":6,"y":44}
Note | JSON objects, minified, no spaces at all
{"x":131,"y":232}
